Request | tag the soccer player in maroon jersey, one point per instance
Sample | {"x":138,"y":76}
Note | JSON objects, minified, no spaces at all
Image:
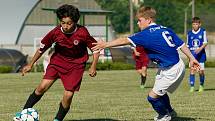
{"x":68,"y":61}
{"x":141,"y":61}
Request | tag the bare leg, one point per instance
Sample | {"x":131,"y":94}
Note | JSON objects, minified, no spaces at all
{"x":38,"y":93}
{"x":64,"y":105}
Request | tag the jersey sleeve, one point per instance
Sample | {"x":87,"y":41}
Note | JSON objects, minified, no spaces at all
{"x":88,"y":39}
{"x":205,"y":40}
{"x":137,"y":39}
{"x":46,"y":42}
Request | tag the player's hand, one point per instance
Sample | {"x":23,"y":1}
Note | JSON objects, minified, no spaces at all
{"x":26,"y":69}
{"x":99,"y":45}
{"x":194,"y":65}
{"x":136,"y":53}
{"x":92,"y":72}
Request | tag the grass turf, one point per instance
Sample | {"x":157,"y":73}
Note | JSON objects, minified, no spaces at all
{"x":110,"y":96}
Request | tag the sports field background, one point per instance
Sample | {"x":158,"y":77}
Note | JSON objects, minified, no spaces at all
{"x":111,"y":96}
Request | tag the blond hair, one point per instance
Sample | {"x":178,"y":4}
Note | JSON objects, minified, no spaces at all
{"x":146,"y":12}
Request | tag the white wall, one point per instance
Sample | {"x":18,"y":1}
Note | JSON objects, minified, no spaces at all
{"x":30,"y":32}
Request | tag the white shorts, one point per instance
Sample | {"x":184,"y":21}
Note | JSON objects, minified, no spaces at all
{"x":168,"y":79}
{"x":202,"y":66}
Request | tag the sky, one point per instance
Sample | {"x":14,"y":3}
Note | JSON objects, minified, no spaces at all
{"x":13,"y":14}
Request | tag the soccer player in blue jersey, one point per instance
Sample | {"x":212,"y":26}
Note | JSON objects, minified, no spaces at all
{"x":196,"y":42}
{"x":161,"y":44}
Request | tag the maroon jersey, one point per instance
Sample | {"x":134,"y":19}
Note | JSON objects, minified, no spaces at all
{"x":69,"y":48}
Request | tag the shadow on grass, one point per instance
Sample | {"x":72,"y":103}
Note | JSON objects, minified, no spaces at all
{"x":100,"y":119}
{"x":212,"y":89}
{"x":183,"y":119}
{"x":148,"y":87}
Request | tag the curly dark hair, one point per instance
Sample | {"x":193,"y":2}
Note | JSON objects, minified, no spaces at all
{"x":68,"y":11}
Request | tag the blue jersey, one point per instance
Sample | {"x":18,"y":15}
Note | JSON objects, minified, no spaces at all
{"x":161,"y":44}
{"x":194,"y":41}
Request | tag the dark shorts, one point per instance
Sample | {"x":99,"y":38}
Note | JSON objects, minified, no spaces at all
{"x":71,"y":78}
{"x":142,"y":60}
{"x":200,"y":57}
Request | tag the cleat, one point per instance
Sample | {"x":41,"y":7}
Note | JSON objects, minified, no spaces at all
{"x":191,"y":89}
{"x":142,"y":86}
{"x":17,"y":117}
{"x":166,"y":117}
{"x":201,"y":88}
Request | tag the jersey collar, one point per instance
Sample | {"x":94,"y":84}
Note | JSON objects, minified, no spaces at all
{"x":152,"y":24}
{"x":195,"y":32}
{"x":70,"y":32}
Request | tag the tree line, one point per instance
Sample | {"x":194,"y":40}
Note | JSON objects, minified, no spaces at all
{"x":170,"y":13}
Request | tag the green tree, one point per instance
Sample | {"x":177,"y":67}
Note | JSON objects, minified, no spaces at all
{"x":168,"y":13}
{"x":120,"y":16}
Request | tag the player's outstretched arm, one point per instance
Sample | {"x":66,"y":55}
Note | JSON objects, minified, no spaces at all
{"x":92,"y":69}
{"x":29,"y":66}
{"x":194,"y":64}
{"x":117,"y":42}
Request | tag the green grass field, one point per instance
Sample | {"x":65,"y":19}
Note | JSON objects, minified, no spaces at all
{"x":111,"y":96}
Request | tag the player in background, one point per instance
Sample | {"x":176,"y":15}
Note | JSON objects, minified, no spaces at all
{"x":161,"y":44}
{"x":196,"y":42}
{"x":141,"y":62}
{"x":68,"y":61}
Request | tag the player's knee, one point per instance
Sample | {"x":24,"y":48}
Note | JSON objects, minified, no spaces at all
{"x":192,"y":71}
{"x":144,"y":74}
{"x":139,"y":71}
{"x":201,"y":72}
{"x":41,"y":89}
{"x":153,"y":94}
{"x":68,"y":94}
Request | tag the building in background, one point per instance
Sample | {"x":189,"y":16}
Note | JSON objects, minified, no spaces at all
{"x":28,"y":21}
{"x":41,"y":19}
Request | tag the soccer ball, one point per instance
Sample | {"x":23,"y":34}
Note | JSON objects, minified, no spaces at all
{"x":29,"y":114}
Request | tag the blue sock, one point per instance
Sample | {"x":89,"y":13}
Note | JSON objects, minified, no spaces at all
{"x":166,"y":101}
{"x":192,"y":80}
{"x":202,"y":79}
{"x":157,"y":105}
